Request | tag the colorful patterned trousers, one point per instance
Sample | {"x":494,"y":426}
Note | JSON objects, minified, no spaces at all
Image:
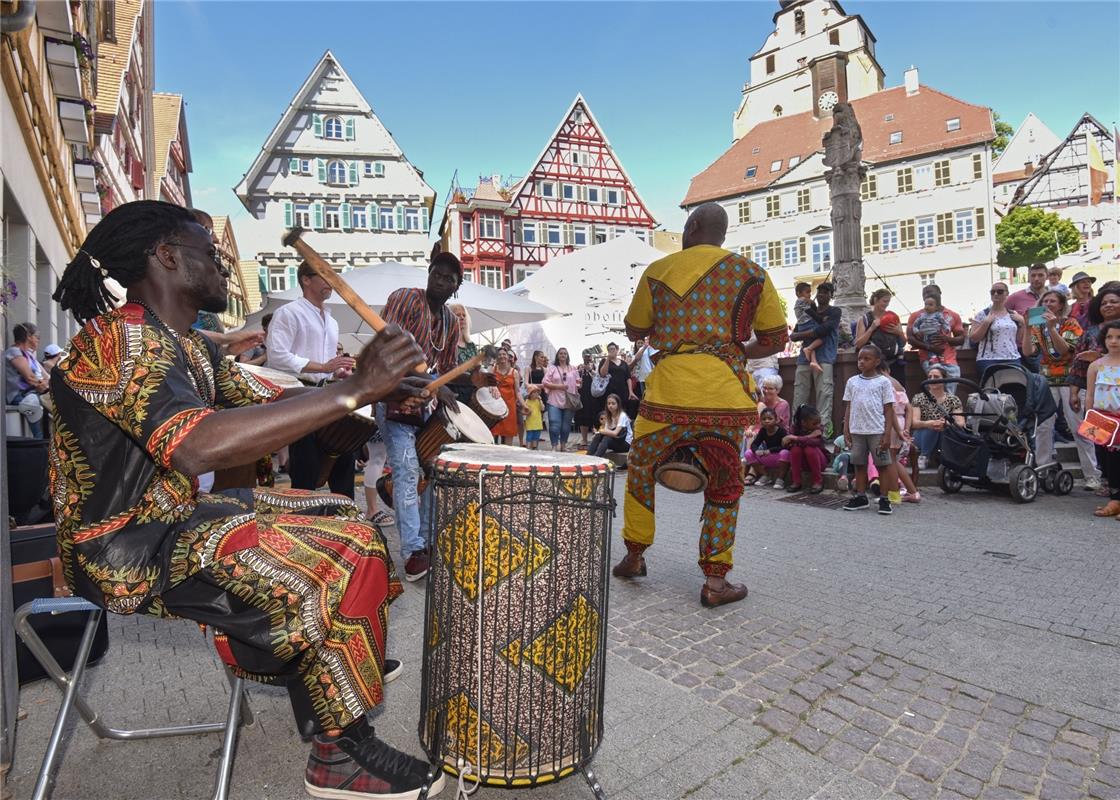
{"x":718,"y":450}
{"x":298,"y":594}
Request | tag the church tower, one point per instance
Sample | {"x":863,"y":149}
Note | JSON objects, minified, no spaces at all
{"x":816,"y":57}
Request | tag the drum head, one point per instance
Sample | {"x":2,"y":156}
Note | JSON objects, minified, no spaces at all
{"x":486,"y":400}
{"x":499,"y":457}
{"x":364,"y":411}
{"x":469,"y":424}
{"x":284,"y":380}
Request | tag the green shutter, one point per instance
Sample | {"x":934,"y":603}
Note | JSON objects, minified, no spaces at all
{"x":317,"y":215}
{"x":287,"y":214}
{"x":322,"y":170}
{"x":379,"y":169}
{"x":293,"y":165}
{"x":349,"y":127}
{"x":424,"y":219}
{"x":292,"y":279}
{"x":317,"y":125}
{"x":262,"y":279}
{"x":346,"y":217}
{"x":373,"y":214}
{"x":353,"y":166}
{"x":400,"y":217}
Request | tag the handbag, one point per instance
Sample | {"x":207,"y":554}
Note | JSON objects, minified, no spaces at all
{"x":599,"y":385}
{"x":1100,"y":428}
{"x":573,"y":401}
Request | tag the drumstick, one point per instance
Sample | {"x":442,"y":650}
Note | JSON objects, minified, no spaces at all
{"x":449,"y":376}
{"x":292,"y":238}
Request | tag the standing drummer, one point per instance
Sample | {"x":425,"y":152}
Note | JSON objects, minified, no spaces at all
{"x":303,"y":340}
{"x":697,"y":307}
{"x":423,"y":313}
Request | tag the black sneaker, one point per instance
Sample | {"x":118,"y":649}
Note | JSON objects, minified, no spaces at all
{"x":857,"y":503}
{"x":391,"y":670}
{"x":359,"y":765}
{"x":885,"y":506}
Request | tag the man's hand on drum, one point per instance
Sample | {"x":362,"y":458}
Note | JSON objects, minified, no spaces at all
{"x":412,"y":393}
{"x":385,"y":361}
{"x":447,"y":398}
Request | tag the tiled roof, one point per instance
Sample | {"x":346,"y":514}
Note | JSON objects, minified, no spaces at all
{"x":113,"y":56}
{"x":250,"y":281}
{"x":1011,"y":175}
{"x":487,"y":191}
{"x":220,"y":227}
{"x":165,"y":117}
{"x":921,"y":117}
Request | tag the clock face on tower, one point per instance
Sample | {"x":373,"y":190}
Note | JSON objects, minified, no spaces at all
{"x":827,"y":100}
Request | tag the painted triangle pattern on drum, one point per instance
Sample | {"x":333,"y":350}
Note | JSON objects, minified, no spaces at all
{"x":469,"y":731}
{"x":503,"y":552}
{"x":566,"y":648}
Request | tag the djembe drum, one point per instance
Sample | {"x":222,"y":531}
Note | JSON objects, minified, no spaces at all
{"x":516,"y":615}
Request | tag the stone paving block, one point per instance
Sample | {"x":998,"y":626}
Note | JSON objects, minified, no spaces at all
{"x":1019,"y":781}
{"x":1069,"y":752}
{"x":879,"y":772}
{"x":825,"y":722}
{"x":780,"y":722}
{"x":914,"y":788}
{"x":962,"y":784}
{"x":809,"y":738}
{"x":1102,"y":791}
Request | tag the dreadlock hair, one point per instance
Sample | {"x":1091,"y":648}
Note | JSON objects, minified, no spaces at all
{"x":121,"y":243}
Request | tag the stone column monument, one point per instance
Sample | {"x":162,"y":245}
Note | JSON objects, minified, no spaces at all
{"x":843,"y":151}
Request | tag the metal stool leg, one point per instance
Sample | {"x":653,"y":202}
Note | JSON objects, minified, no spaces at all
{"x":229,"y":743}
{"x":46,"y":779}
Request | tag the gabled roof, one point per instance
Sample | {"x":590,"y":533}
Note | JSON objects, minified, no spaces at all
{"x":1031,"y":183}
{"x":579,"y":101}
{"x":1031,"y":143}
{"x":487,"y":191}
{"x":327,"y":61}
{"x":167,"y":126}
{"x":921,"y":117}
{"x":113,"y":57}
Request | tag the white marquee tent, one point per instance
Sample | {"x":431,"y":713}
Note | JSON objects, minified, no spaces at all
{"x":592,"y":286}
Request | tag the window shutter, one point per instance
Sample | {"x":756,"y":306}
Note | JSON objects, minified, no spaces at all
{"x":944,"y":228}
{"x":516,"y":226}
{"x":262,"y":279}
{"x":349,"y":127}
{"x":322,"y":170}
{"x":317,"y":125}
{"x":801,"y":249}
{"x":293,"y":165}
{"x":317,"y":215}
{"x":774,"y":254}
{"x":347,"y":223}
{"x":373,"y":214}
{"x":424,"y":222}
{"x":353,"y":165}
{"x":400,"y":217}
{"x":288,"y":214}
{"x":979,"y":223}
{"x":292,"y":279}
{"x":906,"y":233}
{"x":568,"y":235}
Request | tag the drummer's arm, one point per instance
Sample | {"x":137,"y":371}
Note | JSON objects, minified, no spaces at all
{"x":234,"y":436}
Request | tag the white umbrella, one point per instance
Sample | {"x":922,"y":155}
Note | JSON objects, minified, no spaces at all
{"x":489,"y":308}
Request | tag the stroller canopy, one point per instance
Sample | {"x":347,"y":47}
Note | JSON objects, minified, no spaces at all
{"x":1030,"y":391}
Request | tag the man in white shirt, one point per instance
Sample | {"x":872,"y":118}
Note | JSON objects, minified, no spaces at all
{"x":302,"y":340}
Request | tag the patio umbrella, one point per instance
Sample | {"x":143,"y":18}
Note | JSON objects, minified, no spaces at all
{"x":489,"y":308}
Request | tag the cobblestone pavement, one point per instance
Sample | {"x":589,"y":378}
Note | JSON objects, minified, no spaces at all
{"x":966,"y":647}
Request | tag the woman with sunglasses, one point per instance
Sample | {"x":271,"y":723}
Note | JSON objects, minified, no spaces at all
{"x":996,"y":331}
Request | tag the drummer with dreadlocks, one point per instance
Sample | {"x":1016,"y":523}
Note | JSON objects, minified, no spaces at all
{"x":698,"y":307}
{"x":295,"y":584}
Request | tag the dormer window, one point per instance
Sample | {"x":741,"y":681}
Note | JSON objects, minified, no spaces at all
{"x":751,"y":172}
{"x":775,"y":165}
{"x":953,"y":124}
{"x":896,"y":137}
{"x":332,"y":128}
{"x":794,"y":161}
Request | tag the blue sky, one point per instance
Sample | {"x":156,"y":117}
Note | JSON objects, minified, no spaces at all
{"x":479,"y":87}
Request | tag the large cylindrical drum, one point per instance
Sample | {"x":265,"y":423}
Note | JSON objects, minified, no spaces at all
{"x":516,"y":617}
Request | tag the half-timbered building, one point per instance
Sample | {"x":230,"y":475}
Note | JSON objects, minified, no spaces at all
{"x":576,"y":193}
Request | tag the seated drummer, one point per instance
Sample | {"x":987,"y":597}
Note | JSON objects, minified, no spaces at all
{"x":294,"y":584}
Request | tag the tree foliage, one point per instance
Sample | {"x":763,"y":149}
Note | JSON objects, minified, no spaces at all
{"x":1030,"y":235}
{"x":1004,"y":132}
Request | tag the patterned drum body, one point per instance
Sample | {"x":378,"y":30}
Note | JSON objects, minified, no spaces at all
{"x":343,"y":436}
{"x":515,"y":623}
{"x":445,"y":426}
{"x":490,"y":409}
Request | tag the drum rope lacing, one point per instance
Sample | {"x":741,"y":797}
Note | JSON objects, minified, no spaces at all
{"x":466,"y":769}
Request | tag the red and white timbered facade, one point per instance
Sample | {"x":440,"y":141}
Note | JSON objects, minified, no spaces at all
{"x":576,"y":194}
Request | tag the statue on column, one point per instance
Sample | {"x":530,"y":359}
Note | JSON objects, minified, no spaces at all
{"x":843,"y":153}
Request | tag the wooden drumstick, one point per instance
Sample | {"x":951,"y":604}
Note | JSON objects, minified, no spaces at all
{"x":451,"y":375}
{"x":293,"y":238}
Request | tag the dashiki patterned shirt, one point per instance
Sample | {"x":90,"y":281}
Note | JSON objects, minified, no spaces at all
{"x":704,"y":301}
{"x":126,"y":396}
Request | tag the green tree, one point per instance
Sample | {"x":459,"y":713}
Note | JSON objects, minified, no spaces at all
{"x":1004,"y":132}
{"x":1030,"y":236}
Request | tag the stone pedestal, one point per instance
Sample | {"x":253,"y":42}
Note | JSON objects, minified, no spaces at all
{"x":851,"y":296}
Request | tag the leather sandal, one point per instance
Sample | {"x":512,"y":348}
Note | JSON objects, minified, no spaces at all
{"x":631,"y":566}
{"x":730,"y":593}
{"x":1109,"y":509}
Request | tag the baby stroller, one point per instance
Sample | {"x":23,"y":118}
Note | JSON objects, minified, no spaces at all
{"x":995,"y":445}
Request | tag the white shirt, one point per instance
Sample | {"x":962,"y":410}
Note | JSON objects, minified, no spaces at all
{"x":299,"y":333}
{"x":868,"y":396}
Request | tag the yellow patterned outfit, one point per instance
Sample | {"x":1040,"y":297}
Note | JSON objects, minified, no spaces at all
{"x":295,"y":584}
{"x":697,"y":307}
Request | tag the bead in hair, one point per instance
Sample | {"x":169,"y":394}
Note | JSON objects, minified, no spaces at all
{"x":96,"y":265}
